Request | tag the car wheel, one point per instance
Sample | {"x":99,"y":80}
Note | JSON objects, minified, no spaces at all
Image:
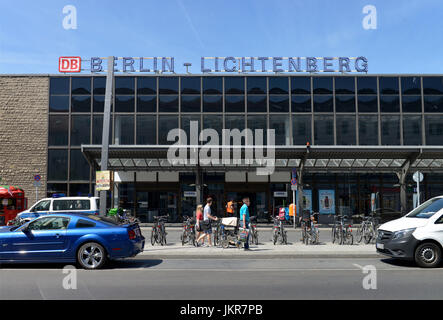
{"x":428,"y":255}
{"x":91,"y":255}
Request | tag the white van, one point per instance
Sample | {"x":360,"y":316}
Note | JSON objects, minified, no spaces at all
{"x":86,"y":205}
{"x":416,"y":236}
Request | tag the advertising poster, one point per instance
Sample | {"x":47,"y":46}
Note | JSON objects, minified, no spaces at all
{"x":103,"y":180}
{"x":307,"y":200}
{"x":326,"y":199}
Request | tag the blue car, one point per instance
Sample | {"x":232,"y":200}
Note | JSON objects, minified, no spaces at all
{"x":88,"y":240}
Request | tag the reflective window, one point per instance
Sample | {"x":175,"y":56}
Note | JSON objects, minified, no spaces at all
{"x":146,"y":85}
{"x":235,"y":122}
{"x":53,"y":188}
{"x":367,"y":103}
{"x":367,"y":85}
{"x":165,"y":124}
{"x":168,"y":85}
{"x":433,"y":103}
{"x":146,"y":129}
{"x":81,"y":103}
{"x":434,"y":130}
{"x":433,"y":85}
{"x":124,"y":85}
{"x":124,"y":103}
{"x":257,"y":122}
{"x":301,"y":85}
{"x":322,"y":85}
{"x":368,"y":130}
{"x":412,"y":130}
{"x":78,"y":189}
{"x":257,"y":103}
{"x":212,"y":85}
{"x":97,"y":129}
{"x":212,"y":103}
{"x":388,"y":85}
{"x":323,"y":103}
{"x":81,"y":85}
{"x":280,"y":124}
{"x":234,"y":103}
{"x":146,"y":103}
{"x":58,"y":130}
{"x":214,"y":122}
{"x":168,"y":103}
{"x":49,"y":223}
{"x":344,"y":103}
{"x":234,"y":85}
{"x":410,"y":85}
{"x":58,"y":164}
{"x":256,"y":85}
{"x":390,"y":130}
{"x":59,"y":103}
{"x":301,"y":103}
{"x":190,"y":103}
{"x":98,"y":104}
{"x":278,"y":103}
{"x":79,"y":166}
{"x":186,"y":126}
{"x":301,"y":129}
{"x":345,"y":126}
{"x":190,"y":85}
{"x":344,"y":85}
{"x":278,"y":85}
{"x":123,"y":130}
{"x":99,"y":84}
{"x":324,"y":130}
{"x":389,"y":103}
{"x":411,"y":103}
{"x":80,"y":130}
{"x":59,"y":85}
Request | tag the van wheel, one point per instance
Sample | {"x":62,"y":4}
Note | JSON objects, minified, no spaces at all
{"x":428,"y":255}
{"x":91,"y":255}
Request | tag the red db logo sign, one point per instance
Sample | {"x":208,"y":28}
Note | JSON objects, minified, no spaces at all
{"x":69,"y":64}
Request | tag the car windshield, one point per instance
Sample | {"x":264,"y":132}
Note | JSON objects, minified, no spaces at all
{"x":427,"y":209}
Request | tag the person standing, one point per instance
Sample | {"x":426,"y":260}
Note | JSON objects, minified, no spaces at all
{"x":206,"y":223}
{"x":230,"y":208}
{"x":244,"y":219}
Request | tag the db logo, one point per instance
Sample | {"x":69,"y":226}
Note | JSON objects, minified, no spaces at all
{"x":69,"y":64}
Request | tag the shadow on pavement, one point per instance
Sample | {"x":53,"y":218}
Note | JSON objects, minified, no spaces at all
{"x":400,"y":263}
{"x":113,"y":264}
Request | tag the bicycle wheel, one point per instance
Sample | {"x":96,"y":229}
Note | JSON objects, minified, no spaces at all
{"x":183,"y":237}
{"x":153,"y":236}
{"x":341,"y":236}
{"x":360,"y":231}
{"x":275,"y":236}
{"x":284,"y":237}
{"x":256,"y":237}
{"x":225,"y":242}
{"x":163,"y":237}
{"x":349,"y":237}
{"x":334,"y":234}
{"x":369,"y":234}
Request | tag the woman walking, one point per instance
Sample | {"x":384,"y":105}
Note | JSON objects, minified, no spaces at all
{"x":198,"y":224}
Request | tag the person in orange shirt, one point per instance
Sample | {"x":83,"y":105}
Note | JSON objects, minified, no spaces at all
{"x":292,"y":211}
{"x":230,"y":208}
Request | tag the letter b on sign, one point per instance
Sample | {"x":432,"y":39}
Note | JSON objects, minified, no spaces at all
{"x":69,"y":64}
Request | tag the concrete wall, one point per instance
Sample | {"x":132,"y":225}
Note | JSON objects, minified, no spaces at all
{"x":24,"y":132}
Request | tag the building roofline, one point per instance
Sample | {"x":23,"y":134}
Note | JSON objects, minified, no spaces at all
{"x":258,"y":74}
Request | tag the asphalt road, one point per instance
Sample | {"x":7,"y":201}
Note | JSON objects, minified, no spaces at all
{"x":305,"y":278}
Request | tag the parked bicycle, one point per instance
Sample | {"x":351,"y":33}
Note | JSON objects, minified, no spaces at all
{"x":188,"y":232}
{"x":309,"y":228}
{"x":368,"y":229}
{"x":342,"y":231}
{"x":158,"y":233}
{"x":217,"y":232}
{"x":279,"y":232}
{"x":253,"y":233}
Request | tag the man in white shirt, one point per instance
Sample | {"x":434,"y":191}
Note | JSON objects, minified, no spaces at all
{"x":206,"y":223}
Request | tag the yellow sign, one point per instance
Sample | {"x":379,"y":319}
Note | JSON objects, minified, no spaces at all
{"x":103,"y":180}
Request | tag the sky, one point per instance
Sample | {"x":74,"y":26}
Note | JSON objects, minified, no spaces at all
{"x":407,"y":38}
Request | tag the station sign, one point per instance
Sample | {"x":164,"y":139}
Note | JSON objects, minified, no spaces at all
{"x":69,"y":64}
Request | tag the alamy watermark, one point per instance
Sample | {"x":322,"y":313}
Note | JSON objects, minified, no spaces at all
{"x":370,"y":20}
{"x":369,"y":282}
{"x":70,"y":280}
{"x":70,"y":20}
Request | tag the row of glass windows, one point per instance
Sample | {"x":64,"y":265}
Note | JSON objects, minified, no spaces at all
{"x":252,"y":85}
{"x":143,"y":128}
{"x":254,"y":103}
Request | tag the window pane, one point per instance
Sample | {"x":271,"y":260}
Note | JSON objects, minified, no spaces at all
{"x":97,"y":130}
{"x":214,"y":122}
{"x":301,"y":103}
{"x":146,"y":129}
{"x":324,"y":130}
{"x":190,"y":85}
{"x":80,"y":130}
{"x":367,"y":85}
{"x":58,"y":164}
{"x":367,"y":103}
{"x":256,"y":85}
{"x":389,"y":104}
{"x":368,"y":130}
{"x":78,"y":189}
{"x":59,"y":104}
{"x":99,"y":85}
{"x":344,"y":103}
{"x":186,"y":126}
{"x":234,"y":85}
{"x":346,"y":130}
{"x":411,"y":103}
{"x":432,"y":85}
{"x":146,"y":103}
{"x":58,"y":130}
{"x":412,"y":130}
{"x":165,"y":124}
{"x":235,"y":122}
{"x":301,"y":129}
{"x":59,"y":85}
{"x":433,"y":103}
{"x":281,"y":126}
{"x":190,"y":103}
{"x":323,"y":103}
{"x":124,"y":85}
{"x":147,"y":85}
{"x":53,"y":188}
{"x":344,"y":85}
{"x":410,"y":85}
{"x":124,"y":130}
{"x":168,"y":104}
{"x":301,"y":85}
{"x":168,"y":85}
{"x":99,"y":104}
{"x":79,"y":166}
{"x":390,"y":130}
{"x":81,"y":85}
{"x":234,"y":103}
{"x":256,"y":122}
{"x":322,"y":85}
{"x":81,"y":104}
{"x":124,"y":104}
{"x":278,"y":103}
{"x":212,"y":103}
{"x":212,"y":85}
{"x":388,"y":85}
{"x":434,"y":130}
{"x":278,"y":85}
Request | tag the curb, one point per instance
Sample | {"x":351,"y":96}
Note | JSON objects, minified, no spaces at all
{"x":260,"y":256}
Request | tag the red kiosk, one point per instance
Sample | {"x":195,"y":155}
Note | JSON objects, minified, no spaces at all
{"x":12,"y":201}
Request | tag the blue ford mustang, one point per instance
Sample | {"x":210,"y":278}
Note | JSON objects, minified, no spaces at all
{"x":88,"y":240}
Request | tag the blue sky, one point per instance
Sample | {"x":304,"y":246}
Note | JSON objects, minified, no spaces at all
{"x":407,"y":38}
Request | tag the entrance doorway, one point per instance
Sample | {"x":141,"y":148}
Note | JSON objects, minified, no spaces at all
{"x":258,"y":196}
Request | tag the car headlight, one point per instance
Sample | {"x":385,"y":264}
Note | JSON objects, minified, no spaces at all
{"x":403,"y":233}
